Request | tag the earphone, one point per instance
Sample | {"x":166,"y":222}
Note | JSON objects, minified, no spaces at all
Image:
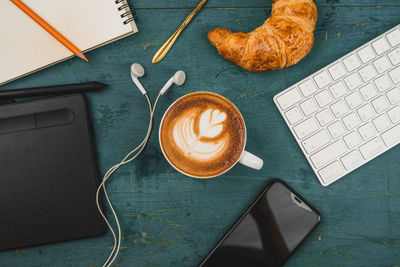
{"x":178,"y":79}
{"x":137,"y":71}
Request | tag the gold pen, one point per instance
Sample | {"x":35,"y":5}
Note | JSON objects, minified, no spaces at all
{"x":168,"y":44}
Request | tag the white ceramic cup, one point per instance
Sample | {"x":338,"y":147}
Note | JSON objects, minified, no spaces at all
{"x":246,"y":158}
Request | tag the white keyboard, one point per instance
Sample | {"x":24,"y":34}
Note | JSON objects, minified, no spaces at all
{"x":348,"y":112}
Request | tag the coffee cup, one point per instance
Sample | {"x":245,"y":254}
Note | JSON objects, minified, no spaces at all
{"x":203,"y":135}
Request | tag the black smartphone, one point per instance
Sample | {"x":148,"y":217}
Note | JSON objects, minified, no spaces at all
{"x":268,"y":232}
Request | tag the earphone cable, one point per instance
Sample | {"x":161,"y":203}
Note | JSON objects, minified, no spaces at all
{"x":102,"y":185}
{"x":117,"y":242}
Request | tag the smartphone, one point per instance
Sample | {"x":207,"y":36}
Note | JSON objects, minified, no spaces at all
{"x":268,"y":232}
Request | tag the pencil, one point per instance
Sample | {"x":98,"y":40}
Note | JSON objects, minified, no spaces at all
{"x":49,"y":29}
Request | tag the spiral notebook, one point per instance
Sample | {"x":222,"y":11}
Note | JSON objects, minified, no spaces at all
{"x":25,"y":47}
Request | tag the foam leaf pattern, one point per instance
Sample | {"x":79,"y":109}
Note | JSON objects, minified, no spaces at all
{"x":210,"y":125}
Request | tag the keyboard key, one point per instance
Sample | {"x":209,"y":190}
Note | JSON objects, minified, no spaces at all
{"x":322,"y":79}
{"x":392,"y":136}
{"x":366,"y":112}
{"x":353,"y":100}
{"x":382,"y":64}
{"x":352,"y":140}
{"x":338,"y":90}
{"x":380,"y":104}
{"x":308,"y":106}
{"x":351,"y":121}
{"x":351,"y":160}
{"x":367,"y":131}
{"x":316,"y":141}
{"x":368,"y":92}
{"x":339,"y":109}
{"x":307,"y":88}
{"x":353,"y":81}
{"x":323,"y":98}
{"x":336,"y":129}
{"x":289,"y":98}
{"x":380,"y":46}
{"x":393,"y":95}
{"x":371,"y":148}
{"x":337,"y":71}
{"x":367,"y":73}
{"x":394,"y":56}
{"x":327,"y":154}
{"x":395,"y":75}
{"x":324,"y":117}
{"x":366,"y":54}
{"x":394,"y":37}
{"x":351,"y":63}
{"x":383,"y":83}
{"x":381,"y":123}
{"x":394,"y":114}
{"x":331,"y":172}
{"x":294,"y":115}
{"x":305,"y":128}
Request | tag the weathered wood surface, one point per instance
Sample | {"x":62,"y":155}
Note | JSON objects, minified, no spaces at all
{"x":171,"y":220}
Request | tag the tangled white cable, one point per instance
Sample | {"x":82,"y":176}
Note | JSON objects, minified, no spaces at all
{"x":137,"y":71}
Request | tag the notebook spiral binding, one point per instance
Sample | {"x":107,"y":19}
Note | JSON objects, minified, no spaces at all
{"x":128,"y":11}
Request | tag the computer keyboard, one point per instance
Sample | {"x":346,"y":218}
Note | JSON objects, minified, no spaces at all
{"x":347,"y":113}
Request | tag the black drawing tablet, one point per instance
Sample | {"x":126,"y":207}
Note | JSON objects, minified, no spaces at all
{"x":48,"y":176}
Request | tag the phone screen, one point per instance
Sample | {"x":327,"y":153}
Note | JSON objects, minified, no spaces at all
{"x":269,"y":233}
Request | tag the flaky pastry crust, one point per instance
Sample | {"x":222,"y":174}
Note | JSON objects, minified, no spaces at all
{"x":283,"y":40}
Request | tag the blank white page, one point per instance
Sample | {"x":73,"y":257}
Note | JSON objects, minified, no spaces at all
{"x":26,"y":47}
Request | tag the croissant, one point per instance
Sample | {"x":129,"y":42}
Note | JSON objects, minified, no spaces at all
{"x":283,"y":40}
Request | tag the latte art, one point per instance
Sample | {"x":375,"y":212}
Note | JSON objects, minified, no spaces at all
{"x":202,"y":134}
{"x":196,"y":136}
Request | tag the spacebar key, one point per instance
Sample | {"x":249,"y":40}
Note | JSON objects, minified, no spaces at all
{"x":328,"y":154}
{"x":392,"y":136}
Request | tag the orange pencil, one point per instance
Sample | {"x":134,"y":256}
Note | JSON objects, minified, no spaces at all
{"x":49,"y":29}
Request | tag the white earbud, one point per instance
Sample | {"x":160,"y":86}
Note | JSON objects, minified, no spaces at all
{"x":138,"y":71}
{"x":178,"y":79}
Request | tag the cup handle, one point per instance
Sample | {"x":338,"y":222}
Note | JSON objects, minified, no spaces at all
{"x":251,"y":160}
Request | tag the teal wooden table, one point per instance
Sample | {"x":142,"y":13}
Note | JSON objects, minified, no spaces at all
{"x":172,"y":220}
